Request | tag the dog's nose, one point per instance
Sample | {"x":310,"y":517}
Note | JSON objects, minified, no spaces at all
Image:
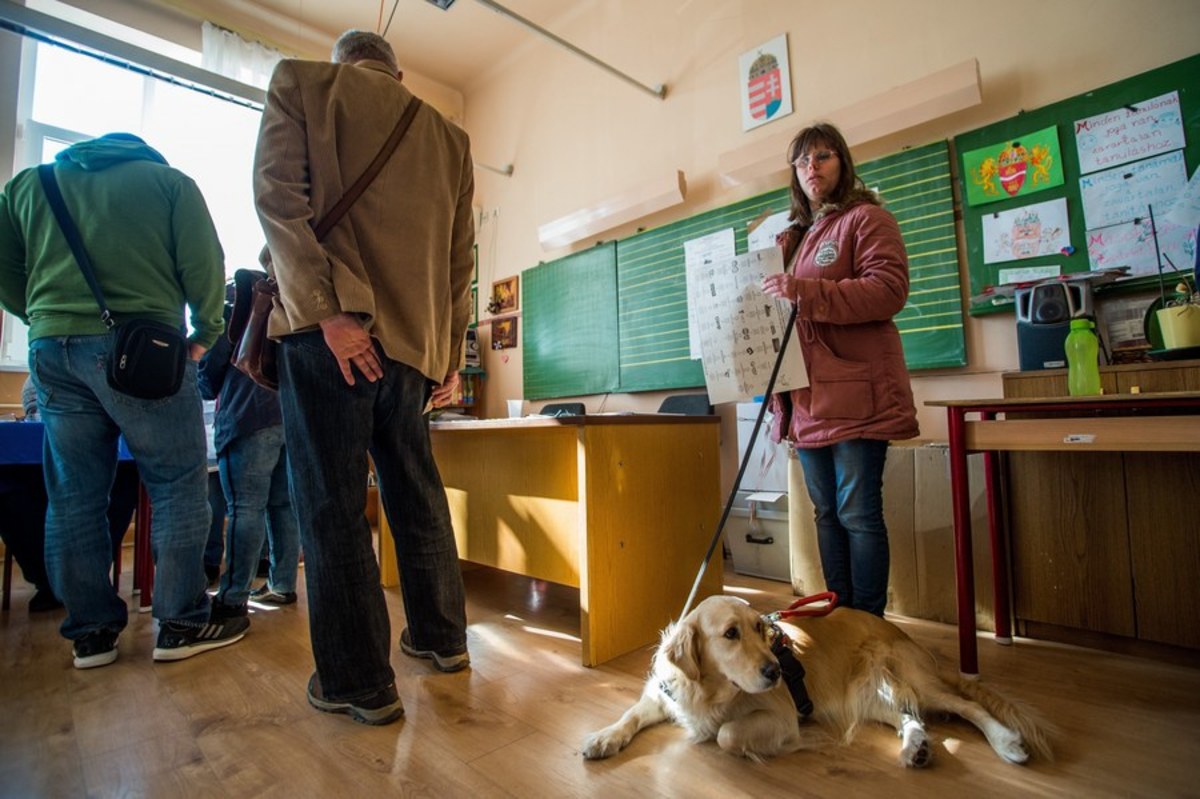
{"x":770,"y":671}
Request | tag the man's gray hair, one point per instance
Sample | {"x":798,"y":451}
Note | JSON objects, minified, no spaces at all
{"x":355,"y":45}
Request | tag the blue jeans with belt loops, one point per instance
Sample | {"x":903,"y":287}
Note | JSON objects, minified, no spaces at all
{"x":845,"y":483}
{"x":330,"y":427}
{"x":83,"y":418}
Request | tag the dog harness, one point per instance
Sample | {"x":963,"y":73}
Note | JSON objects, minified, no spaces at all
{"x":790,"y":667}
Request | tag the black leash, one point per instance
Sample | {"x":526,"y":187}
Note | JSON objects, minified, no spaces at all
{"x":712,"y":546}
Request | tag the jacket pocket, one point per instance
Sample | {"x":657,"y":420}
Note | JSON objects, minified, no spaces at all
{"x":841,"y":389}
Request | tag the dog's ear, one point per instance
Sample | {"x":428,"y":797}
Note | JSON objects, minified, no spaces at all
{"x":682,"y":649}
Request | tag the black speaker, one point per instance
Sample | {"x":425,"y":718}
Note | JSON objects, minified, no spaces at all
{"x":1044,"y":314}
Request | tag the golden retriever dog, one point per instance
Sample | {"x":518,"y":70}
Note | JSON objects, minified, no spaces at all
{"x":714,"y":674}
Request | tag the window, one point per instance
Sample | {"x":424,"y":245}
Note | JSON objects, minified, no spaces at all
{"x":67,"y":96}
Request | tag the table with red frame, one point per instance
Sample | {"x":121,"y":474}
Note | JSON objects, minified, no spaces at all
{"x":1151,"y":422}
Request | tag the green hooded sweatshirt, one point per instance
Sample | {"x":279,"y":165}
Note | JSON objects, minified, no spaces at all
{"x":145,"y":227}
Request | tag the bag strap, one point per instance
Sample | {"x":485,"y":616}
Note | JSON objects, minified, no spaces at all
{"x":339,"y":209}
{"x":54,"y":195}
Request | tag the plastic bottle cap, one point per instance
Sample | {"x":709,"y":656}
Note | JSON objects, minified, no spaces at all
{"x":1081,"y":324}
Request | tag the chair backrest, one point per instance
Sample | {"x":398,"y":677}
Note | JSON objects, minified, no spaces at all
{"x":564,"y":409}
{"x":690,"y":404}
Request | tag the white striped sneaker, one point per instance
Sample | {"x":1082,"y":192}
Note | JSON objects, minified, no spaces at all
{"x":179,"y":640}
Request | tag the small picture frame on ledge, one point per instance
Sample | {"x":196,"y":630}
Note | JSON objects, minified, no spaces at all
{"x":504,"y":333}
{"x":504,"y":295}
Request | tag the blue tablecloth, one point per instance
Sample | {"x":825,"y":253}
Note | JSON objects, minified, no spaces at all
{"x":21,"y":443}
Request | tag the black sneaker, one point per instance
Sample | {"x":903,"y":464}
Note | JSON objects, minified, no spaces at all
{"x":272,"y":597}
{"x":382,"y":707}
{"x":179,"y":640}
{"x":442,"y":662}
{"x":44,"y":600}
{"x":95,"y":649}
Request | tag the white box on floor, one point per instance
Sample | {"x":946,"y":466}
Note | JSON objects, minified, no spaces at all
{"x":757,"y":534}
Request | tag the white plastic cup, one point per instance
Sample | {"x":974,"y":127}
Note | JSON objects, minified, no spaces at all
{"x":515,"y":408}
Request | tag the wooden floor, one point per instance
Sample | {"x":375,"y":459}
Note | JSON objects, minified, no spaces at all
{"x":235,"y":723}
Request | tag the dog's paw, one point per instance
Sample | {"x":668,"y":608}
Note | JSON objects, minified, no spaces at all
{"x":602,"y":744}
{"x":916,"y":753}
{"x":1011,"y":747}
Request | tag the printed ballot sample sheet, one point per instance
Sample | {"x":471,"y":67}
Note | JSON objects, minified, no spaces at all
{"x":741,"y":329}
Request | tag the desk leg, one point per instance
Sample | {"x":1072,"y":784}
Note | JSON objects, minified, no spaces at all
{"x":963,"y":563}
{"x":389,"y":569}
{"x":143,"y":560}
{"x":1000,"y":593}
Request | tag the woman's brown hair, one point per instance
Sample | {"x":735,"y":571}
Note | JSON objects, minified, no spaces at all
{"x":820,"y":134}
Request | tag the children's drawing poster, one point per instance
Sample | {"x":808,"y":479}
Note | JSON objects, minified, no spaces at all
{"x":742,"y":329}
{"x":765,"y":82}
{"x":1014,"y":168}
{"x":1125,"y":193}
{"x":1132,"y":244}
{"x":1026,"y":232}
{"x":1136,"y":131}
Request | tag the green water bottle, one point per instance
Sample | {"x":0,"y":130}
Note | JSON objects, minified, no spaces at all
{"x":1083,"y":359}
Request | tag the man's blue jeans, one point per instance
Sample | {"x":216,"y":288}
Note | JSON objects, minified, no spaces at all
{"x":330,"y":428}
{"x":83,"y":419}
{"x":254,"y":477}
{"x":845,"y":483}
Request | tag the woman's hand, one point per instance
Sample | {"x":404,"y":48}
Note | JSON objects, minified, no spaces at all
{"x":781,"y":286}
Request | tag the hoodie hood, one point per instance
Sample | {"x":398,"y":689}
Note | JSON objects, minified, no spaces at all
{"x":108,"y":150}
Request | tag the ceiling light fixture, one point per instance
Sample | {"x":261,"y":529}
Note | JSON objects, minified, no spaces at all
{"x":659,"y":91}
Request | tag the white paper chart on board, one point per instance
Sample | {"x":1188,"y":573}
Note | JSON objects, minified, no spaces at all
{"x":741,"y":329}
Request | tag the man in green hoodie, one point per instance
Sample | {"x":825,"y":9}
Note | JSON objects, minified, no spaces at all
{"x":154,"y":249}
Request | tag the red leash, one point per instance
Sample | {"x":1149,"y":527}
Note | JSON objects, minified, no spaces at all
{"x":797,"y":608}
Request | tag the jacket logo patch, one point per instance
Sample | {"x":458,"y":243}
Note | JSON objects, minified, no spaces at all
{"x":827,"y":252}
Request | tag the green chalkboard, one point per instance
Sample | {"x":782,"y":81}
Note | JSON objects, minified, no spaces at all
{"x":916,"y":187}
{"x":652,"y":294}
{"x":648,"y":329}
{"x":1181,"y":76}
{"x":570,"y":316}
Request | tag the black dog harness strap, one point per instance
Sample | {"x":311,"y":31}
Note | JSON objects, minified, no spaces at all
{"x":792,"y":671}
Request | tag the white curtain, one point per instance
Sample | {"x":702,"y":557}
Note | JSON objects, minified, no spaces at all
{"x":228,"y":54}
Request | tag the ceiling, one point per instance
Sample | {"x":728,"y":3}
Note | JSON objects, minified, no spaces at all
{"x":452,"y":46}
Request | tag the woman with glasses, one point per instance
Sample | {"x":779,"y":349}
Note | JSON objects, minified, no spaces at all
{"x":847,"y":274}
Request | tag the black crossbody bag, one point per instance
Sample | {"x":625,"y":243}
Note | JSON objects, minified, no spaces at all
{"x":147,"y":358}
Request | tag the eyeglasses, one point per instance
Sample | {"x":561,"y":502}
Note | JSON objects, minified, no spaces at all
{"x":815,"y":159}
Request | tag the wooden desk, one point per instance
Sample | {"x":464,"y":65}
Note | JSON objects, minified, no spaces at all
{"x":621,"y":507}
{"x":1164,"y":422}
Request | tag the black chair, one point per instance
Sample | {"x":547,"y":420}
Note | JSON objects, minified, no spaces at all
{"x":563,"y":409}
{"x":689,"y":404}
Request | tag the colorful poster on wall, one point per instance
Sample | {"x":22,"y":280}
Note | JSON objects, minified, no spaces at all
{"x":1124,"y":194}
{"x":765,"y":82}
{"x":1135,"y":131}
{"x":1185,"y":210}
{"x":1013,"y":168}
{"x":1026,"y":232}
{"x":1131,"y":244}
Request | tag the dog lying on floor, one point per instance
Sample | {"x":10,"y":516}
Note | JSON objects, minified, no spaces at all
{"x":714,"y":674}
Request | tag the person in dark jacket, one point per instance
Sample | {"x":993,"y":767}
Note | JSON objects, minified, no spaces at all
{"x":252,"y":461}
{"x":847,"y":273}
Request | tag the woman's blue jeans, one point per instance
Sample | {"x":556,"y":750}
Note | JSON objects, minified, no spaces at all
{"x":330,"y":427}
{"x":84,"y":418}
{"x":845,"y":483}
{"x":254,"y":478}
